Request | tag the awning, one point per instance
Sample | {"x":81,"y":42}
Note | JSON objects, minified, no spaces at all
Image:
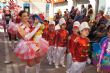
{"x":83,"y":1}
{"x":24,"y":0}
{"x":48,"y":1}
{"x":2,"y":0}
{"x":55,"y":1}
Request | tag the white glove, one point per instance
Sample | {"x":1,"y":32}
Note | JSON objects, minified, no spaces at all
{"x":30,"y":35}
{"x":55,"y":47}
{"x":89,"y":61}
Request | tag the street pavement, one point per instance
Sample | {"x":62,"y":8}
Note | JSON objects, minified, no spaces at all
{"x":17,"y":66}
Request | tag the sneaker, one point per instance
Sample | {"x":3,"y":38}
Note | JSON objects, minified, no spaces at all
{"x":67,"y":72}
{"x":50,"y":63}
{"x":57,"y":66}
{"x":8,"y":62}
{"x":63,"y":65}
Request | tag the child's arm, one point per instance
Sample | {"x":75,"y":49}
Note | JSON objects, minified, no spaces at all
{"x":56,"y":39}
{"x":103,"y":47}
{"x":30,"y":35}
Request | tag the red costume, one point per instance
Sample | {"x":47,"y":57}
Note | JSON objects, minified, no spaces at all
{"x":71,"y":42}
{"x":44,"y":35}
{"x":51,"y":37}
{"x":79,"y":49}
{"x":62,"y":37}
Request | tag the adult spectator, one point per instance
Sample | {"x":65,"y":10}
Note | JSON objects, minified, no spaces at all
{"x":67,"y":11}
{"x":57,"y":18}
{"x":69,"y":26}
{"x":73,"y":12}
{"x":83,"y":11}
{"x":102,"y":19}
{"x":7,"y":16}
{"x":78,"y":17}
{"x":60,"y":12}
{"x":66,"y":16}
{"x":90,"y":13}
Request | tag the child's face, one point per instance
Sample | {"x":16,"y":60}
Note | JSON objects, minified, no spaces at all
{"x":25,"y":17}
{"x":36,"y":20}
{"x":75,"y":30}
{"x":45,"y":22}
{"x":52,"y":27}
{"x":63,"y":26}
{"x":85,"y":32}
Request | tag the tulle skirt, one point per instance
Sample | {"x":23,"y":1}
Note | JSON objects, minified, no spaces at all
{"x":30,"y":51}
{"x":43,"y":45}
{"x":26,"y":50}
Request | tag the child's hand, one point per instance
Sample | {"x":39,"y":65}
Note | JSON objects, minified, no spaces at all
{"x":76,"y":40}
{"x":98,"y":70}
{"x":98,"y":67}
{"x":89,"y":61}
{"x":69,"y":38}
{"x":42,"y":27}
{"x":74,"y":60}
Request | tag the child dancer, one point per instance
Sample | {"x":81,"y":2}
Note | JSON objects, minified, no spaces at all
{"x":51,"y":38}
{"x":36,"y":22}
{"x":103,"y":65}
{"x":61,"y":43}
{"x":71,"y":44}
{"x":80,"y":49}
{"x":27,"y":49}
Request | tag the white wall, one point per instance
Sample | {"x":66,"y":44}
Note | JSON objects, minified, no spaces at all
{"x":93,"y":3}
{"x":38,"y":7}
{"x":107,"y":7}
{"x":102,"y":4}
{"x":35,"y":7}
{"x":62,"y":7}
{"x":70,"y":4}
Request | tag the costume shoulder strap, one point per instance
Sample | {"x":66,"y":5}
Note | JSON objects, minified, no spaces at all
{"x":21,"y":31}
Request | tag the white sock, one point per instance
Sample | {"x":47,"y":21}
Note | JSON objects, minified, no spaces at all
{"x":37,"y":68}
{"x":28,"y":69}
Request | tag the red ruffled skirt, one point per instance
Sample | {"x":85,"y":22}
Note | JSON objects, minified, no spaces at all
{"x":29,"y":50}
